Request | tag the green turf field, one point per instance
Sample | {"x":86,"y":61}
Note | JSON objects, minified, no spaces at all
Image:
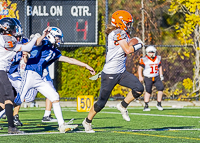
{"x":167,"y":126}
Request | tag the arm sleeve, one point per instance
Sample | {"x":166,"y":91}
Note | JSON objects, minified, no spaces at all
{"x":159,"y":62}
{"x":28,"y":47}
{"x":141,"y":63}
{"x":2,"y":42}
{"x":137,"y":46}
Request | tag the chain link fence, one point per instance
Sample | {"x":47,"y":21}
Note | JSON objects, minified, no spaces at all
{"x":81,"y":22}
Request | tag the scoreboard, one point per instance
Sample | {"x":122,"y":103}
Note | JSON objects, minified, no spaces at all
{"x":78,"y":19}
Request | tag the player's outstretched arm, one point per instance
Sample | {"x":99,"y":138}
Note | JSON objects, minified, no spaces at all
{"x":28,"y":46}
{"x":45,"y":33}
{"x":35,"y":41}
{"x":76,"y":62}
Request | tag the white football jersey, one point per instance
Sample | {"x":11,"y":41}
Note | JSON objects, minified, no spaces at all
{"x":22,"y":66}
{"x":115,"y":56}
{"x":7,"y":53}
{"x":151,"y":66}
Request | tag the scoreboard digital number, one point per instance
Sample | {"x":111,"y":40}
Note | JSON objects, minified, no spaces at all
{"x":77,"y":19}
{"x":84,"y":103}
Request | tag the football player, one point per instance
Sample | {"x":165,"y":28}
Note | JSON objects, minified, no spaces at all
{"x":114,"y":71}
{"x":8,"y":49}
{"x":17,"y":68}
{"x":153,"y":75}
{"x":56,"y":38}
{"x":40,"y":59}
{"x":16,"y":72}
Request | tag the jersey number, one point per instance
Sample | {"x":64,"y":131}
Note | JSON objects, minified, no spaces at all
{"x":154,"y":69}
{"x":10,"y":43}
{"x":119,"y":36}
{"x":50,"y":56}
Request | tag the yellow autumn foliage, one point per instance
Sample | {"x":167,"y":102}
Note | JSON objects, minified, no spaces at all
{"x":189,"y":7}
{"x":187,"y":83}
{"x":120,"y":90}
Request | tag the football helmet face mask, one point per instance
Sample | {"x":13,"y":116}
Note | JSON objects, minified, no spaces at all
{"x":151,"y":49}
{"x":123,"y":20}
{"x":55,"y":36}
{"x":8,"y":25}
{"x":19,"y":30}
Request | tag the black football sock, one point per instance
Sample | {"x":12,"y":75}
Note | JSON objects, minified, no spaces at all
{"x":124,"y":104}
{"x":159,"y":103}
{"x":1,"y":109}
{"x":146,"y":104}
{"x":88,"y":120}
{"x":9,"y":114}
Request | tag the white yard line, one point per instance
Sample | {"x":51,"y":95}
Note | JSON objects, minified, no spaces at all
{"x":30,"y":134}
{"x":179,"y":116}
{"x":113,"y":107}
{"x":143,"y":114}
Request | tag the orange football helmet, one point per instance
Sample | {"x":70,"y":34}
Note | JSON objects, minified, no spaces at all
{"x":122,"y":19}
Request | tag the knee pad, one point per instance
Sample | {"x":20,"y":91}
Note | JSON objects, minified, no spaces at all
{"x":135,"y":94}
{"x":97,"y":108}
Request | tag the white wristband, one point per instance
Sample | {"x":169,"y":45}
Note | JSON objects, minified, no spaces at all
{"x":161,"y":77}
{"x":137,"y":46}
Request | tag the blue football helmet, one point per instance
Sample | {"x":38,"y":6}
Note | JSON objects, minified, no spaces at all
{"x":19,"y":30}
{"x":55,"y":36}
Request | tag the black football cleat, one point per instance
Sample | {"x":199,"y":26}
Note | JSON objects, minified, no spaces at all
{"x":16,"y":120}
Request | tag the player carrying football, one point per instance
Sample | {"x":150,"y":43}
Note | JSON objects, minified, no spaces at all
{"x":114,"y":71}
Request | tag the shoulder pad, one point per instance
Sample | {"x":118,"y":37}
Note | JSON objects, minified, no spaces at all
{"x":10,"y":42}
{"x":46,"y":42}
{"x":144,"y":59}
{"x":159,"y":58}
{"x":119,"y":35}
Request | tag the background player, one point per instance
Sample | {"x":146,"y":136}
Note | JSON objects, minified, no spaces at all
{"x":151,"y":67}
{"x":114,"y":71}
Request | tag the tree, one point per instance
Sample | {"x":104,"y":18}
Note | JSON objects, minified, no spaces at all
{"x":188,"y":31}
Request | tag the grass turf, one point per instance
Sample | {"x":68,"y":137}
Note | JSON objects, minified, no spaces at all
{"x":167,"y":126}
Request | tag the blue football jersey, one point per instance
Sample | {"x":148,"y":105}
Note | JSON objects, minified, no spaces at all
{"x":41,"y":57}
{"x":15,"y":63}
{"x":16,"y":60}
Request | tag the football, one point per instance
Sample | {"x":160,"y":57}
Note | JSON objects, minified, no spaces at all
{"x":132,"y":41}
